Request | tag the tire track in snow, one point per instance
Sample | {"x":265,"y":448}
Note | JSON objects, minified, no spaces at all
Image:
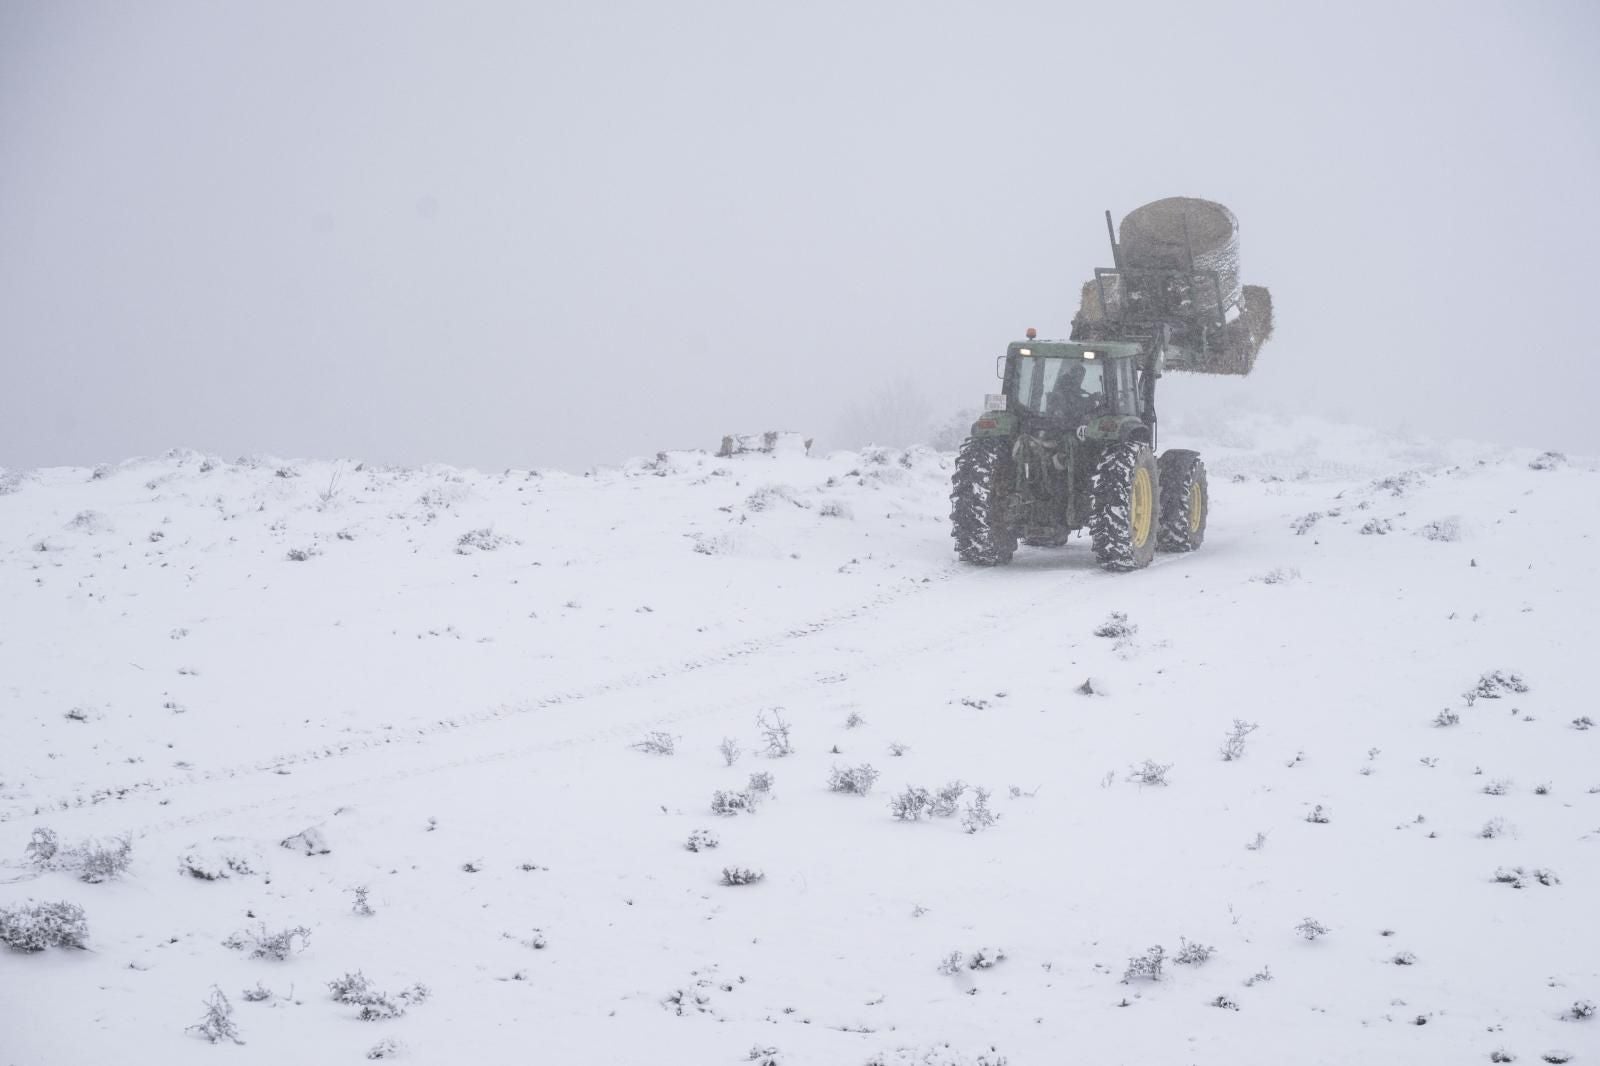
{"x":278,"y":762}
{"x":1018,"y":613}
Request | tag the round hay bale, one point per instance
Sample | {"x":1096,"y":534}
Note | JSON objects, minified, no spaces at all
{"x":1160,"y":236}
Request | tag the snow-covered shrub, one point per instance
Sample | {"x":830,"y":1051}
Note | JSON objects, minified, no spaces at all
{"x":439,"y":498}
{"x":656,"y":743}
{"x":481,"y":540}
{"x":1311,"y":929}
{"x":728,"y":803}
{"x":387,"y":1048}
{"x":1377,"y":526}
{"x":1116,"y":627}
{"x":1447,"y":529}
{"x":1303,"y":524}
{"x":1320,"y":815}
{"x":1147,"y":966}
{"x":978,"y":816}
{"x":310,"y":841}
{"x":361,"y":905}
{"x":1583,"y":722}
{"x":1233,"y":744}
{"x":300,"y":555}
{"x":898,"y":749}
{"x":37,"y":926}
{"x":766,"y":497}
{"x":695,"y":999}
{"x":701,"y":840}
{"x":43,"y":847}
{"x":217,"y":1024}
{"x":835,"y":509}
{"x":274,"y":945}
{"x":952,"y":964}
{"x":1149,"y":772}
{"x":1398,"y":484}
{"x":1498,"y":787}
{"x":217,"y":861}
{"x":853,"y":779}
{"x":940,"y":1054}
{"x":1582,"y":1010}
{"x":911,"y":804}
{"x":1278,"y":575}
{"x":93,"y":861}
{"x":759,"y":785}
{"x":350,"y":987}
{"x":90,"y":522}
{"x":855,"y":720}
{"x":1225,"y":1003}
{"x":775,"y":733}
{"x":730,"y":751}
{"x":1447,"y":717}
{"x":1496,"y":683}
{"x":1192,"y":954}
{"x":380,"y":1006}
{"x":740,"y":875}
{"x":1548,"y":461}
{"x":1517,"y":877}
{"x":715,"y":544}
{"x":986,"y":958}
{"x":1404,"y":958}
{"x":1493,"y":828}
{"x":947,"y":800}
{"x":356,"y":990}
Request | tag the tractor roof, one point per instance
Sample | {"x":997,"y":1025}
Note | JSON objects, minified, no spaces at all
{"x":1074,"y":349}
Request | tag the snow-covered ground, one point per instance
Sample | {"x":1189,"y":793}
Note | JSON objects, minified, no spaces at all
{"x":445,"y":674}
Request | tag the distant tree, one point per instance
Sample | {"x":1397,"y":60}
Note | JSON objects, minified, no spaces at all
{"x":948,"y":434}
{"x":895,"y":415}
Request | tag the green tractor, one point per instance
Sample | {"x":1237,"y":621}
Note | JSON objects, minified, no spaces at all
{"x":1070,"y":442}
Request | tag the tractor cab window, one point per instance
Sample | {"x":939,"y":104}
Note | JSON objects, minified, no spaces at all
{"x":1125,"y":394}
{"x":1052,"y":386}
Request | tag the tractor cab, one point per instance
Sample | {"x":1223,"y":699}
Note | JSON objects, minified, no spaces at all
{"x":1070,"y":382}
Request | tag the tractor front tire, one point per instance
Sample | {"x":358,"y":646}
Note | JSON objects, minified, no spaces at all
{"x":1124,"y":498}
{"x":980,"y":502}
{"x":1185,"y":501}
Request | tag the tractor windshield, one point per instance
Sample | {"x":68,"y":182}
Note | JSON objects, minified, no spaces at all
{"x":1060,"y":387}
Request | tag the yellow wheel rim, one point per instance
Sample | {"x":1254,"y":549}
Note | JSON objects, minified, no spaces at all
{"x":1197,"y":508}
{"x":1143,"y":505}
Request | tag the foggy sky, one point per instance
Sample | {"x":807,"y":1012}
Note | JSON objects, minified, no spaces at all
{"x":530,"y":234}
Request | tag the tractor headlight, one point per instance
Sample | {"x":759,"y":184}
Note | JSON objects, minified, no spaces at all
{"x":994,"y":402}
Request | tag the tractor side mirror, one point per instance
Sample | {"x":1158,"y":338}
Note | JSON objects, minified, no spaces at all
{"x":1000,"y":366}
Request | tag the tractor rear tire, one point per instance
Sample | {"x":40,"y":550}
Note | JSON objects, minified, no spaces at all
{"x":1124,"y":498}
{"x":980,"y":502}
{"x":1185,"y":501}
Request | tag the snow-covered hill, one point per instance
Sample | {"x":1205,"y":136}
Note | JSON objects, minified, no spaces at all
{"x":451,"y":677}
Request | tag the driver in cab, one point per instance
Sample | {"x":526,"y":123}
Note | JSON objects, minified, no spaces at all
{"x":1067,"y":397}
